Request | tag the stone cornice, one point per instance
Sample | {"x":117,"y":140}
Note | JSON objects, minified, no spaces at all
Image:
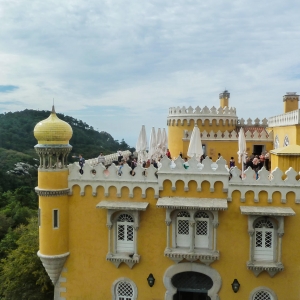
{"x":52,"y":193}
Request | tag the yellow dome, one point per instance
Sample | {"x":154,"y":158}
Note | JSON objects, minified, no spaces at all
{"x":53,"y":130}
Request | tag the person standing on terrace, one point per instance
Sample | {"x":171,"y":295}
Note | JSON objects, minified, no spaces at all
{"x":101,"y":159}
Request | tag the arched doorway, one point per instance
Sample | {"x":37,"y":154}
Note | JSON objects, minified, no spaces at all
{"x":192,"y":281}
{"x":191,"y":286}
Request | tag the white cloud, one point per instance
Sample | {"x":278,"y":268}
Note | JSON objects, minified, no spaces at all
{"x":138,"y":55}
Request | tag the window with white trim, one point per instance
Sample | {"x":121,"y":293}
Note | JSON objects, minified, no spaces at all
{"x":266,"y":230}
{"x":264,"y":245}
{"x":123,"y":220}
{"x":262,"y":293}
{"x":55,"y":218}
{"x":125,"y":234}
{"x":124,"y":289}
{"x":193,"y":235}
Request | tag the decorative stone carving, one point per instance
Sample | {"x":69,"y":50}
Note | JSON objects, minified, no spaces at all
{"x":117,"y":259}
{"x":52,"y":193}
{"x":268,"y":182}
{"x":53,"y":156}
{"x":53,"y":264}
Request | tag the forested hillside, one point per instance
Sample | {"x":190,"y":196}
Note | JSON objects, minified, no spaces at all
{"x":22,"y":276}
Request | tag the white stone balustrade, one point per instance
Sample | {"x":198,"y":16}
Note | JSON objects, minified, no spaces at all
{"x":109,"y":159}
{"x":230,"y":136}
{"x":290,"y":118}
{"x":268,"y":182}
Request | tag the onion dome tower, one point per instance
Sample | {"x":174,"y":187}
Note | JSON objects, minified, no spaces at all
{"x":53,"y":147}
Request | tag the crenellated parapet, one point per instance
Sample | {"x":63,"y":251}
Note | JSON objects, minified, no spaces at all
{"x":96,"y":176}
{"x":249,"y":122}
{"x":266,"y":182}
{"x":177,"y":115}
{"x":230,"y":136}
{"x":208,"y":170}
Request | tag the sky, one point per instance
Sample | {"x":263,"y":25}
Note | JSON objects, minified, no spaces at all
{"x":118,"y":65}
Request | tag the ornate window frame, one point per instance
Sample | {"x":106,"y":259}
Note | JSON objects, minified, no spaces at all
{"x":276,"y":214}
{"x":192,"y":206}
{"x":286,"y":141}
{"x":123,"y":280}
{"x":262,"y":289}
{"x":194,"y":267}
{"x":114,"y":210}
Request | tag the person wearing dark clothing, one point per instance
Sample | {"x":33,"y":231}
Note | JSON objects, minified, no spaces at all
{"x":231,"y":163}
{"x":81,"y":162}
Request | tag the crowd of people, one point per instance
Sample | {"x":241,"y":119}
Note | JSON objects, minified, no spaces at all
{"x":256,"y":162}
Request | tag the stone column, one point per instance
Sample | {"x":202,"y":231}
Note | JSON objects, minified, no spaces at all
{"x":215,"y":225}
{"x":192,"y":236}
{"x":251,"y":233}
{"x":109,"y":237}
{"x":136,"y":228}
{"x":168,"y":223}
{"x":280,"y":235}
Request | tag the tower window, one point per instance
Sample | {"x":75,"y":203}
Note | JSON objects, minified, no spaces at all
{"x":55,"y":218}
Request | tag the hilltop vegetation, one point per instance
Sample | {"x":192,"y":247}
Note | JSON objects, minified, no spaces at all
{"x":16,"y":133}
{"x":22,"y":275}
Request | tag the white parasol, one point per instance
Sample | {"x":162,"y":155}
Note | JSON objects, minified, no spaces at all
{"x":195,"y":146}
{"x":141,"y":146}
{"x":242,"y":149}
{"x":152,"y":144}
{"x":159,"y":140}
{"x":164,"y":141}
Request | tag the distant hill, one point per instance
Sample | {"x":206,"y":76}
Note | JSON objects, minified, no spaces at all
{"x":17,"y":139}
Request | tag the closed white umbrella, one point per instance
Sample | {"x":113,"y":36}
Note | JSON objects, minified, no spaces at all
{"x":152,"y":144}
{"x":159,"y":151}
{"x":242,"y":149}
{"x":164,"y":141}
{"x":141,"y":145}
{"x":195,"y":146}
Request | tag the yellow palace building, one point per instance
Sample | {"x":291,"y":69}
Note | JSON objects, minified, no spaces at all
{"x":175,"y":233}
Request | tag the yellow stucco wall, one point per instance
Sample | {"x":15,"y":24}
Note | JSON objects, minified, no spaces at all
{"x":90,"y":276}
{"x":53,"y":241}
{"x":290,"y":105}
{"x":292,"y":132}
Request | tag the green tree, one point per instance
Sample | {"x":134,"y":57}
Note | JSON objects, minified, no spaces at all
{"x":22,"y":275}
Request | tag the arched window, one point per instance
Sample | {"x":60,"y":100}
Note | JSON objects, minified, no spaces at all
{"x":183,"y":229}
{"x":202,"y":229}
{"x":125,"y":234}
{"x":276,"y":142}
{"x":262,"y":293}
{"x":124,"y":289}
{"x":264,"y":240}
{"x":286,"y":141}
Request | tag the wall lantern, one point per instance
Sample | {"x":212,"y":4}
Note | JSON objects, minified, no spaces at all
{"x":235,"y":285}
{"x":151,"y":280}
